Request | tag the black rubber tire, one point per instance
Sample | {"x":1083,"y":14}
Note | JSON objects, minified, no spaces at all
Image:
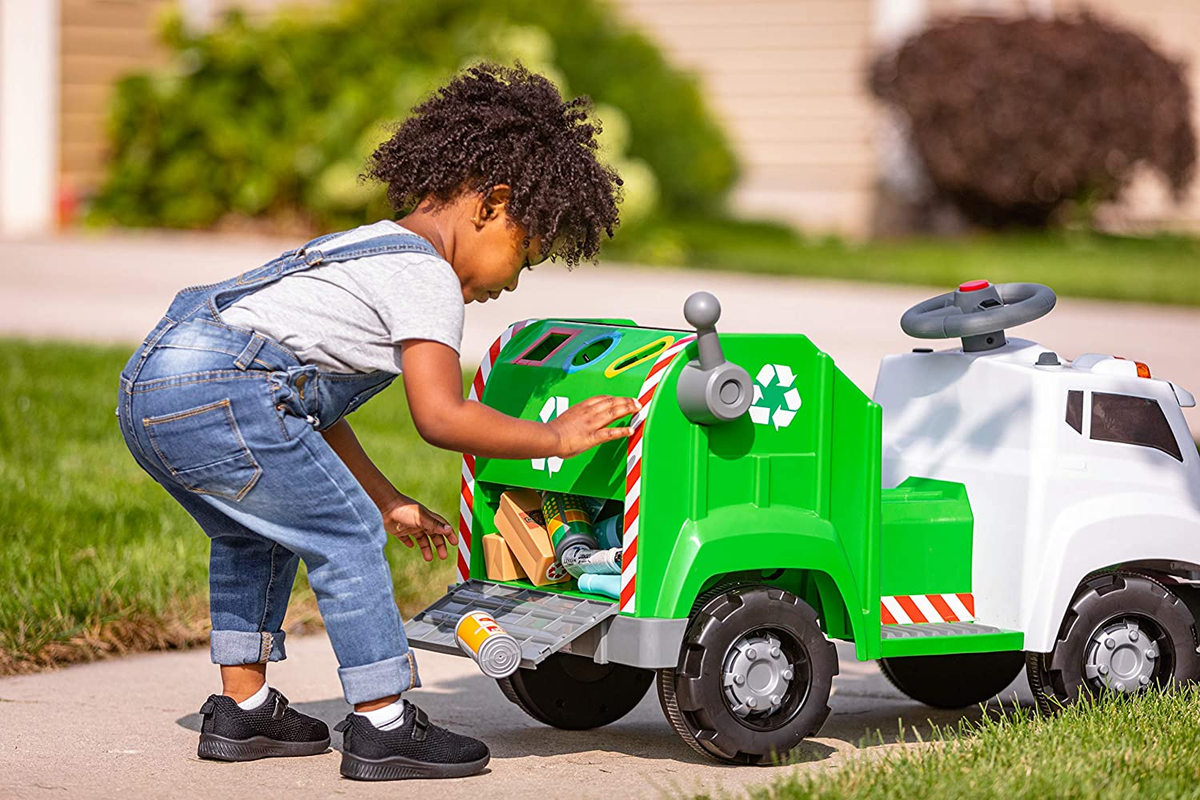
{"x":953,"y":681}
{"x":692,"y":694}
{"x":1057,"y":678}
{"x":575,"y":693}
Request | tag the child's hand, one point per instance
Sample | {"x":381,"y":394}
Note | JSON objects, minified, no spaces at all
{"x":409,"y":521}
{"x":585,"y":425}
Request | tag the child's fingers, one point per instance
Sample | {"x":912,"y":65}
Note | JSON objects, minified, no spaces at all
{"x":426,"y":550}
{"x":435,"y":523}
{"x":612,"y":406}
{"x":439,"y":530}
{"x":608,"y":434}
{"x":616,"y":408}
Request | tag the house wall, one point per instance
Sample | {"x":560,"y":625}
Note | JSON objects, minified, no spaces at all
{"x":100,"y":40}
{"x":787,"y":79}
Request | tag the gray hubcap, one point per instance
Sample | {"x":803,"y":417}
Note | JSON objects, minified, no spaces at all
{"x":756,"y":675}
{"x":1121,"y":656}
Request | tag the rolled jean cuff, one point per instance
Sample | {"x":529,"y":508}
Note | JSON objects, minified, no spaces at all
{"x":381,"y":679}
{"x":230,"y":648}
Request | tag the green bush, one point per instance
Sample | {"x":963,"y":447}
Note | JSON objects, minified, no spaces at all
{"x":276,"y":120}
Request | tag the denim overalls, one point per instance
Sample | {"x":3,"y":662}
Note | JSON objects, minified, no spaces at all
{"x":226,"y":420}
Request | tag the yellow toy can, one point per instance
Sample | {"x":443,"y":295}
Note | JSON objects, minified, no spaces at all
{"x":492,"y":648}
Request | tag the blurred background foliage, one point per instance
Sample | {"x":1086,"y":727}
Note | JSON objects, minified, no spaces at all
{"x":267,"y":125}
{"x":274,"y":121}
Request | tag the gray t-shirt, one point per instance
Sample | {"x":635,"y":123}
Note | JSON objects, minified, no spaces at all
{"x":352,"y":316}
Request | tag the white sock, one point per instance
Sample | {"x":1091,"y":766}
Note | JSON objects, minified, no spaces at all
{"x":387,"y":718}
{"x":255,"y":700}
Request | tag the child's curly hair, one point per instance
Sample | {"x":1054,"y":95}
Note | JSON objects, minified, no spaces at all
{"x":493,"y":125}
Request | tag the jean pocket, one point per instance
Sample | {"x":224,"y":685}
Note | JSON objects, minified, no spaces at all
{"x":203,"y":449}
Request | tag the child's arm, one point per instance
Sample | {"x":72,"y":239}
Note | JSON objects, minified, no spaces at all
{"x":402,"y":515}
{"x":341,"y":438}
{"x":433,"y":383}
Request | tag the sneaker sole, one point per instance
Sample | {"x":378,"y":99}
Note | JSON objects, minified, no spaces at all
{"x":398,"y":768}
{"x":219,"y":748}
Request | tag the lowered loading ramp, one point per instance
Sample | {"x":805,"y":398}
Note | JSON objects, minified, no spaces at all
{"x":541,"y":622}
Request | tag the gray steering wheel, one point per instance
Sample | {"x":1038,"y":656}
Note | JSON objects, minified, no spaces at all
{"x":978,"y":313}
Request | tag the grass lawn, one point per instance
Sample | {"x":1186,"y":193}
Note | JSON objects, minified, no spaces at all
{"x":1161,"y":269}
{"x":96,"y":558}
{"x":1116,"y":748}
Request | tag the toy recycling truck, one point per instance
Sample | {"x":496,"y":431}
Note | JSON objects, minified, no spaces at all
{"x":994,"y":508}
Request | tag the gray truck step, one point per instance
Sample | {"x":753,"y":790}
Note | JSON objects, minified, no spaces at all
{"x":541,"y":622}
{"x":928,"y":629}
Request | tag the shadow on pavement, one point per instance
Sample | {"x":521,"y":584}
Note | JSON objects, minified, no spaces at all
{"x":867,"y":712}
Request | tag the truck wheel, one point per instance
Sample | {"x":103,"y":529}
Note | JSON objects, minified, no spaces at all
{"x":575,"y":693}
{"x":953,"y":681}
{"x":1123,"y":632}
{"x":753,"y":678}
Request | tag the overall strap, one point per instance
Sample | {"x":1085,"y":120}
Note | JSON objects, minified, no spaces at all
{"x":310,"y":255}
{"x":310,"y":245}
{"x":221,"y":295}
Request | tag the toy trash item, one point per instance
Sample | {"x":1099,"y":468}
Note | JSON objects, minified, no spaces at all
{"x":519,"y":521}
{"x":568,"y":522}
{"x":495,"y":651}
{"x":580,"y":560}
{"x":608,"y":532}
{"x":609,"y":585}
{"x":594,"y":505}
{"x":501,"y":564}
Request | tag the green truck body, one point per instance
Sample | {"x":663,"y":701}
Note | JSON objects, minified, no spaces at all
{"x":757,"y":529}
{"x":795,"y":503}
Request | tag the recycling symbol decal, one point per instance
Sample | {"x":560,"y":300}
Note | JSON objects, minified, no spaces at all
{"x":551,"y":409}
{"x":776,"y":400}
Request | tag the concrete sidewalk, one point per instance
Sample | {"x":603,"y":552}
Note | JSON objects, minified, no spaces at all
{"x":114,"y":287}
{"x":128,"y":728}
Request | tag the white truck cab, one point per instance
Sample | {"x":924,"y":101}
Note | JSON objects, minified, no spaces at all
{"x":1071,"y":467}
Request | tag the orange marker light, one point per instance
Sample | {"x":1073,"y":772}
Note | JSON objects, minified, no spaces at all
{"x":1143,"y":371}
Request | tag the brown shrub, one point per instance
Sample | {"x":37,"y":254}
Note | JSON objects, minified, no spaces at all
{"x":1012,"y":118}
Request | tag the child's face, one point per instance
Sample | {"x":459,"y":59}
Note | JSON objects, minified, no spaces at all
{"x":491,"y":253}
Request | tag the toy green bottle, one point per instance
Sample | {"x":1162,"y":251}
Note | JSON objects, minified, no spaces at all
{"x":568,"y":521}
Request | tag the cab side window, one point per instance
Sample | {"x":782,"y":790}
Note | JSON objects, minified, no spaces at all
{"x":1132,"y":420}
{"x":1075,"y":410}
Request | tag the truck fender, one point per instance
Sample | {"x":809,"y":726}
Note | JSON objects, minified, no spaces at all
{"x":737,"y":538}
{"x":1096,"y":534}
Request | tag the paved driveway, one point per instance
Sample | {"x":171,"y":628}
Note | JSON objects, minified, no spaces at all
{"x":127,"y":728}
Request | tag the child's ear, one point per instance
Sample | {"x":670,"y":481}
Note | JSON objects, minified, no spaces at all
{"x":492,"y":205}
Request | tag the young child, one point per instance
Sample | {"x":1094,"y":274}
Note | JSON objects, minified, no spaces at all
{"x":236,"y":404}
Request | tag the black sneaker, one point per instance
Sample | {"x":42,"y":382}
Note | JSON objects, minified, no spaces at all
{"x":230,"y":733}
{"x":417,"y":749}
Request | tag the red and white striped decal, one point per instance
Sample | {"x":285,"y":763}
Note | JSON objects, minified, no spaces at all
{"x":916,"y":608}
{"x":633,"y":471}
{"x":466,"y":504}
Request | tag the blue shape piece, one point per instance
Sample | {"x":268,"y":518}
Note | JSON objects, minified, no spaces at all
{"x":613,"y":336}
